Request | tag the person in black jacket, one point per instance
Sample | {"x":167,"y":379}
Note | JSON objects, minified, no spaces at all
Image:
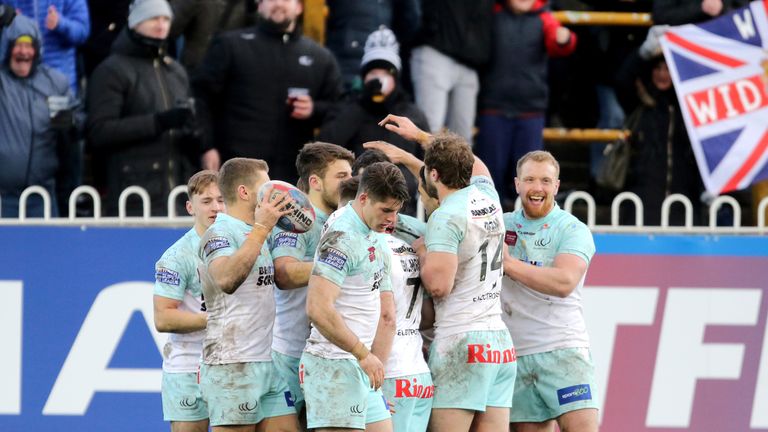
{"x":140,"y":115}
{"x":266,"y":88}
{"x":357,"y":121}
{"x":678,"y":12}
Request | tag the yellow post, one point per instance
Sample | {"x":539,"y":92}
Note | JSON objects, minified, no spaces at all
{"x":584,"y":135}
{"x":604,"y":18}
{"x":315,"y":12}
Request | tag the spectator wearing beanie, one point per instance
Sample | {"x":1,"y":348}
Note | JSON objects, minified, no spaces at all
{"x":141,"y":121}
{"x":356,"y":122}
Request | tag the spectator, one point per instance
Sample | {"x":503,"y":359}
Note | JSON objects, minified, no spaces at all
{"x":662,"y":161}
{"x":513,"y":99}
{"x":677,"y":12}
{"x":266,"y":104}
{"x":198,"y":20}
{"x":139,"y":110}
{"x":454,"y":41}
{"x":357,"y":121}
{"x":33,"y":110}
{"x":65,"y":25}
{"x":351,"y":21}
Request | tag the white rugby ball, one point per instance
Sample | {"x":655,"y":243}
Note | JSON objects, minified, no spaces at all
{"x":303,"y":215}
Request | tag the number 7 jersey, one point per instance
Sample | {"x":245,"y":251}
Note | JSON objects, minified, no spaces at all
{"x":469,"y":224}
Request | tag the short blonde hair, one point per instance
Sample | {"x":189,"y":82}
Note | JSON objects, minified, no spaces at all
{"x":538,"y":156}
{"x":238,"y":171}
{"x":200,"y":181}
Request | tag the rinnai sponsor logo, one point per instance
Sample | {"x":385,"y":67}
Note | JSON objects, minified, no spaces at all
{"x":405,"y":389}
{"x":301,"y":373}
{"x":479,"y":353}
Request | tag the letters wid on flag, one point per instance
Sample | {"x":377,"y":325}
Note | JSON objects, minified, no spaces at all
{"x":720,"y":72}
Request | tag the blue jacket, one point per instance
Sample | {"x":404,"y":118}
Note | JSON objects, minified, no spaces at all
{"x":60,"y":43}
{"x":28,"y":150}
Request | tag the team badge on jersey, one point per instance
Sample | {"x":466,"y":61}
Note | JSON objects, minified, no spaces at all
{"x":510,"y":238}
{"x":167,"y":276}
{"x":214,"y":244}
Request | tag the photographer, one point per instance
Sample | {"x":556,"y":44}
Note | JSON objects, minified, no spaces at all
{"x":35,"y":111}
{"x":356,"y":122}
{"x":141,"y":120}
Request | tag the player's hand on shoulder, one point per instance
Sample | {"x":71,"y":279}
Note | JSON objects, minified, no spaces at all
{"x":272,"y":207}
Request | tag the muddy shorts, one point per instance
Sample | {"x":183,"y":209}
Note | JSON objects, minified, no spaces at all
{"x":244,"y":393}
{"x":338,"y":394}
{"x":412,"y":399}
{"x":553,"y":383}
{"x":473,"y":370}
{"x":182,"y":400}
{"x":288,"y":368}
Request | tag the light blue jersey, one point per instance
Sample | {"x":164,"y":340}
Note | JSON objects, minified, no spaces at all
{"x":239,"y":324}
{"x":356,"y":259}
{"x":539,"y":322}
{"x":469,"y":224}
{"x":291,"y":321}
{"x":176,"y":278}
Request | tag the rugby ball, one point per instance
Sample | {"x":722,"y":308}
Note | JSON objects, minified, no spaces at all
{"x":303,"y":215}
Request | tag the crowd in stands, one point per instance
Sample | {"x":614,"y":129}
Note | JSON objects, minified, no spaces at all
{"x":118,"y":93}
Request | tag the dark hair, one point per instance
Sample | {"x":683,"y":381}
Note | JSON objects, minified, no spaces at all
{"x":315,"y":157}
{"x":236,"y":172}
{"x":200,"y":181}
{"x":383,"y":181}
{"x":348,"y":188}
{"x":368,"y":157}
{"x":452,"y":157}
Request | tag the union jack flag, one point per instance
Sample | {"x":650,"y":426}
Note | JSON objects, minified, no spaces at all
{"x":720,"y":72}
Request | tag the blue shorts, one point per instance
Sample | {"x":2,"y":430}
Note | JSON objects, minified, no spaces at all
{"x":244,"y":393}
{"x":182,"y":399}
{"x":412,"y":399}
{"x":553,"y":383}
{"x":288,"y":368}
{"x":338,"y":394}
{"x":473,"y":370}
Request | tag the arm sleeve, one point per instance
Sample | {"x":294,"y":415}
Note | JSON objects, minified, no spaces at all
{"x":288,"y":244}
{"x":444,"y":232}
{"x":74,"y":22}
{"x":331,"y":261}
{"x":577,"y":240}
{"x":555,"y":49}
{"x":171,"y":277}
{"x":217,"y":244}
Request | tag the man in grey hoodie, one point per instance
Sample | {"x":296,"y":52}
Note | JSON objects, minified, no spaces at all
{"x":34,"y":101}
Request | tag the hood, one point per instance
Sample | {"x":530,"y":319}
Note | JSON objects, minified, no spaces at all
{"x":20,"y":26}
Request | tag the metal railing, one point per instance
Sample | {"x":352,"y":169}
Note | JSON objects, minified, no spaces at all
{"x":577,"y":196}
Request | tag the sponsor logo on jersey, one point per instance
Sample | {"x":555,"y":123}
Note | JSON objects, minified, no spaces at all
{"x":246,"y":407}
{"x":306,"y":60}
{"x":286,"y":239}
{"x":333,"y":257}
{"x":479,"y":353}
{"x":215,"y":243}
{"x":487,"y":296}
{"x":510,"y":238}
{"x":574,"y":393}
{"x":266,"y":275}
{"x":289,"y":399}
{"x":542,"y":242}
{"x":301,"y":373}
{"x":405,"y":388}
{"x":188,"y":403}
{"x":356,"y":409}
{"x":408,"y":332}
{"x":371,"y":254}
{"x":484,"y":211}
{"x":167,"y":276}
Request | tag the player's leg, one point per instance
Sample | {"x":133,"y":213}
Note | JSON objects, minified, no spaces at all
{"x":189,"y":426}
{"x":583,"y":420}
{"x":492,"y":420}
{"x":335,"y":393}
{"x":546,"y":426}
{"x":450,"y":420}
{"x":284,"y":423}
{"x":377,"y":416}
{"x":277,"y":403}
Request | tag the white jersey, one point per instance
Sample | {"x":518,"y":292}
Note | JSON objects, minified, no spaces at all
{"x":469,"y":224}
{"x":356,"y":259}
{"x":176,"y":278}
{"x":540,"y":322}
{"x":291,"y":322}
{"x":406,"y":357}
{"x":239,"y":324}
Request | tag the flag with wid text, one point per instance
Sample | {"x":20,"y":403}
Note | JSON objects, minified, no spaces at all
{"x":720,"y":72}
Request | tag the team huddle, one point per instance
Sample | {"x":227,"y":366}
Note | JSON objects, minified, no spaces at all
{"x":374,"y":320}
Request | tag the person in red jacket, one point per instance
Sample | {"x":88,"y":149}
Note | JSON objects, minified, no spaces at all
{"x":513,"y":95}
